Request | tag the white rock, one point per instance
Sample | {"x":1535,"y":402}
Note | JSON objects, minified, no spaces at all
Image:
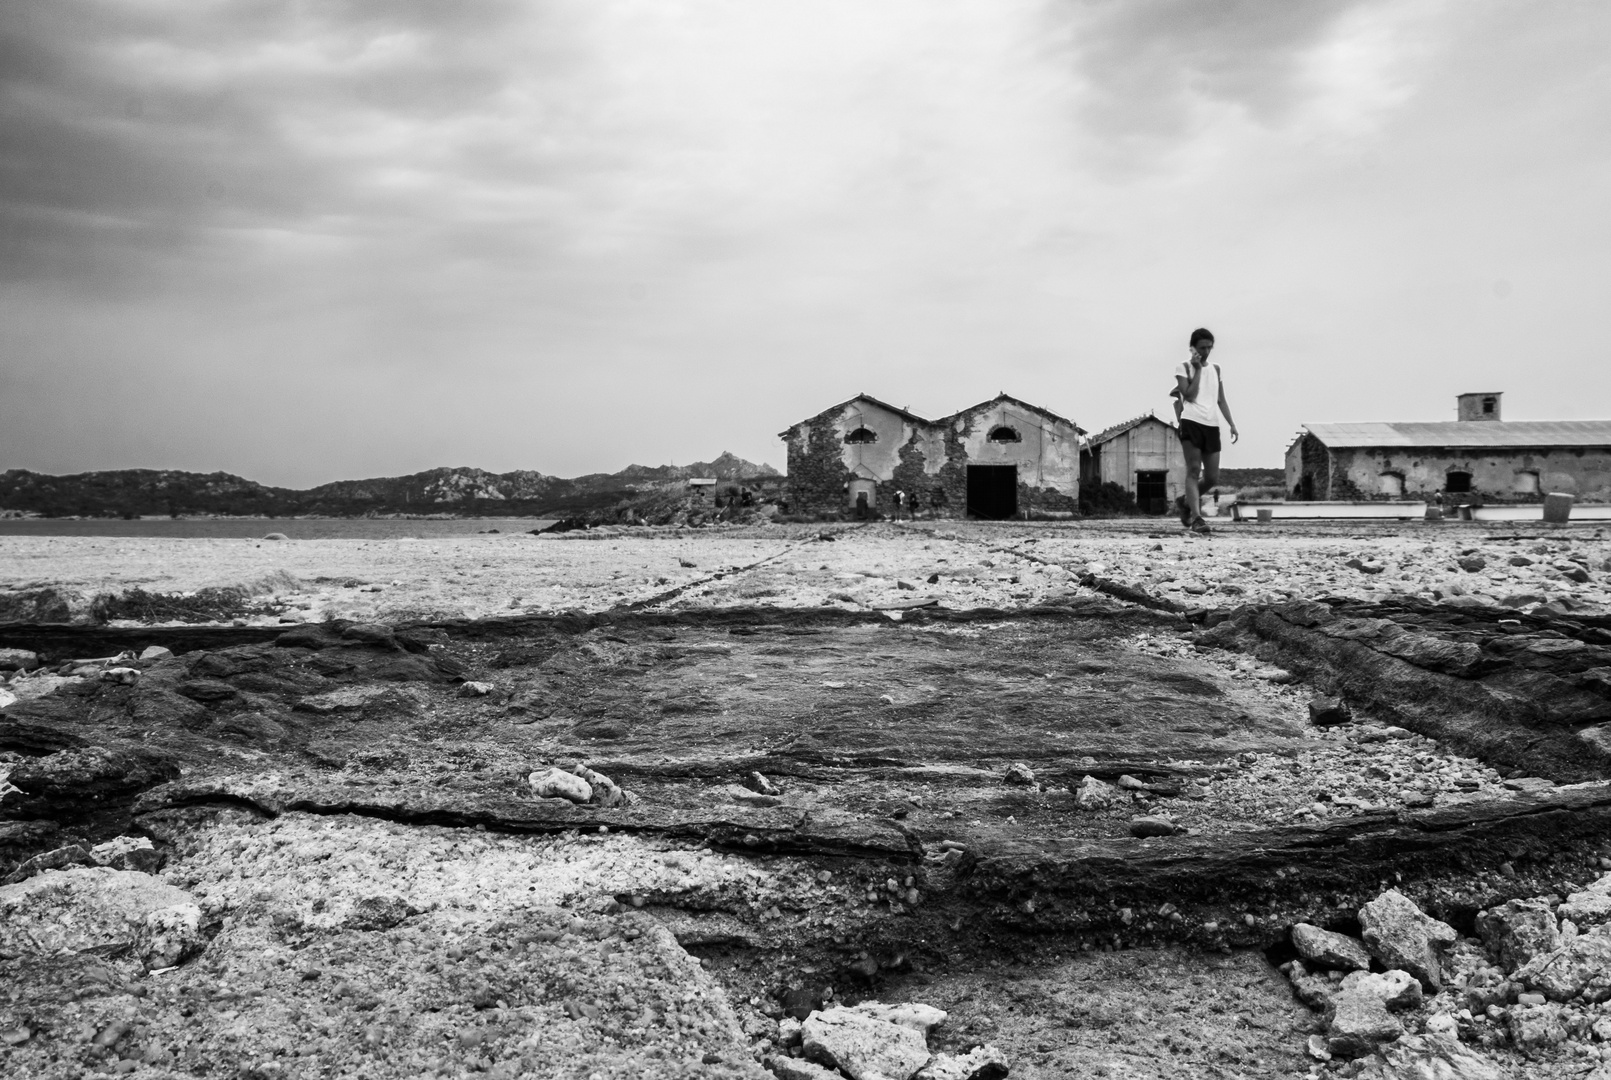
{"x":155,"y":652}
{"x":124,"y":676}
{"x":980,"y":1063}
{"x":61,"y":912}
{"x":37,"y":686}
{"x":7,"y":698}
{"x":788,"y":1031}
{"x":475,"y":689}
{"x":918,"y":1017}
{"x":554,"y":783}
{"x":862,"y":1047}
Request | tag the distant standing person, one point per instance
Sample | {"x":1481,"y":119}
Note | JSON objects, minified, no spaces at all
{"x":1201,"y":404}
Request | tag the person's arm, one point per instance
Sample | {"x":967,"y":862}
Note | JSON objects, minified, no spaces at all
{"x":1188,"y":384}
{"x":1225,"y":410}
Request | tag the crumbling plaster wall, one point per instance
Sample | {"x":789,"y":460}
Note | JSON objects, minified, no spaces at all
{"x":1151,"y":446}
{"x":1308,"y":460}
{"x":1047,"y":457}
{"x":821,"y":462}
{"x":1584,"y":472}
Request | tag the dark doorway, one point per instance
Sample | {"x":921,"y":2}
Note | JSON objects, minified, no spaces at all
{"x":1458,"y":483}
{"x":992,"y":491}
{"x":1152,"y":492}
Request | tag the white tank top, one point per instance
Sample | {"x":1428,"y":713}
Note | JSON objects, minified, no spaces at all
{"x":1205,"y":410}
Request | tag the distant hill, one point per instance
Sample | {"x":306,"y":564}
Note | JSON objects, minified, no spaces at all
{"x":143,"y":492}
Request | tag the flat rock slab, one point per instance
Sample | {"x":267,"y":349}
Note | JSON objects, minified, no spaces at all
{"x":61,"y":912}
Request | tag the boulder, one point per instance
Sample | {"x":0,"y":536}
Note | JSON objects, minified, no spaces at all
{"x":1328,"y":711}
{"x":1019,"y":774}
{"x":157,"y":707}
{"x":475,"y":689}
{"x":375,"y":634}
{"x":1329,"y":949}
{"x":127,"y":853}
{"x":1093,"y":794}
{"x":1581,"y":965}
{"x":67,"y":911}
{"x":552,"y":783}
{"x":1518,"y":930}
{"x":919,"y":1018}
{"x":37,"y":686}
{"x":1313,"y":990}
{"x":980,"y":1063}
{"x":1396,"y":989}
{"x":1152,"y":825}
{"x":1435,"y":1057}
{"x":155,"y":652}
{"x":861,"y":1047}
{"x":605,"y":792}
{"x":1357,"y":1022}
{"x":80,"y":782}
{"x":1401,"y":936}
{"x":18,"y":660}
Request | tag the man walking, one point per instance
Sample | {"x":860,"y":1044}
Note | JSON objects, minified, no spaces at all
{"x":1201,"y":403}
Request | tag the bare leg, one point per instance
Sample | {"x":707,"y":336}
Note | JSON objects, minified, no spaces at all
{"x":1210,"y":479}
{"x":1194,"y":467}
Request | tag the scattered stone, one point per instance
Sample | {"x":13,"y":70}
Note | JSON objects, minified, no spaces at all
{"x":759,"y":784}
{"x":122,"y":676}
{"x":605,"y":792}
{"x":37,"y":686}
{"x":1579,"y":966}
{"x":1329,"y":949}
{"x":1152,"y":825}
{"x":18,"y":660}
{"x":56,"y":859}
{"x":789,"y":1031}
{"x":1401,"y":936}
{"x":1472,"y":564}
{"x":475,"y":689}
{"x":1435,"y":1056}
{"x":792,"y":1068}
{"x":380,"y":913}
{"x":919,"y":1018}
{"x":742,"y":795}
{"x":1317,"y":1048}
{"x":1019,"y":774}
{"x":1357,"y":1022}
{"x":1534,"y":1027}
{"x":1328,"y":711}
{"x":1591,"y":906}
{"x":800,"y":1003}
{"x":128,"y":853}
{"x":1396,"y":989}
{"x":553,"y":783}
{"x":1094,"y":794}
{"x":1517,"y":931}
{"x":862,"y":1047}
{"x":153,"y":653}
{"x":902,"y":583}
{"x":347,"y":699}
{"x":980,"y":1063}
{"x":1312,"y":989}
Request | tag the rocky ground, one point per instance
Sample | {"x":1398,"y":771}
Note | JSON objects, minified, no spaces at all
{"x":1065,"y":785}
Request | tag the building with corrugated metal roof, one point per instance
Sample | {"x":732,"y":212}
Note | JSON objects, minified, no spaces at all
{"x":1141,"y":455}
{"x":1477,"y":458}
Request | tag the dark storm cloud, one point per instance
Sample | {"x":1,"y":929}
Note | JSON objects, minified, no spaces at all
{"x":133,"y":132}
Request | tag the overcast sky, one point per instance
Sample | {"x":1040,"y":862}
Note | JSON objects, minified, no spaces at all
{"x":321,"y":239}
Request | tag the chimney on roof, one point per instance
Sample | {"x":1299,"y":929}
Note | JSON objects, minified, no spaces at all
{"x":1478,"y":406}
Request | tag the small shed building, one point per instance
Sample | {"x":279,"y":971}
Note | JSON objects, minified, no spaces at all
{"x":1001,"y":458}
{"x":1479,"y":456}
{"x":1141,"y":455}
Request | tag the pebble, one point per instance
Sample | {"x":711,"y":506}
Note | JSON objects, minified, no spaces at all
{"x":1151,"y":825}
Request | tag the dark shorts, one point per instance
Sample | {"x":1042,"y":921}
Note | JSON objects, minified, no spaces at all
{"x":1202,"y":436}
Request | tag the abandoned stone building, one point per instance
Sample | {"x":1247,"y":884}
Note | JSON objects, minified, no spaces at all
{"x":1141,"y":455}
{"x":1478,"y":458}
{"x":999,"y":459}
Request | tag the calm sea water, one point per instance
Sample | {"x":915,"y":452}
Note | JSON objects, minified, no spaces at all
{"x":295,"y":528}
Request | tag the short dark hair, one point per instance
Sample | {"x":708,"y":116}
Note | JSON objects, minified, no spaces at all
{"x":1199,"y":334}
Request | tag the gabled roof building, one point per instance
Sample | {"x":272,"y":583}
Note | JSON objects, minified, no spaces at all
{"x":1478,"y":457}
{"x":1001,"y":458}
{"x":1141,"y":455}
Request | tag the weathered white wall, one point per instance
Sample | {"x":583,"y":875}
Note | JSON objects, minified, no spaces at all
{"x":875,"y":460}
{"x":1151,"y":446}
{"x":1048,"y":456}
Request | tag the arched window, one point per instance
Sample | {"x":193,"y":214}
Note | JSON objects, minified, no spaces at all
{"x":1003,"y":433}
{"x":862,"y":435}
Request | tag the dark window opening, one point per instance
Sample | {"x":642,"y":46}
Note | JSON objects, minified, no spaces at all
{"x":1004,"y":433}
{"x":992,"y":491}
{"x":1458,"y":483}
{"x":862,"y":435}
{"x":1152,"y":492}
{"x":1488,"y":406}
